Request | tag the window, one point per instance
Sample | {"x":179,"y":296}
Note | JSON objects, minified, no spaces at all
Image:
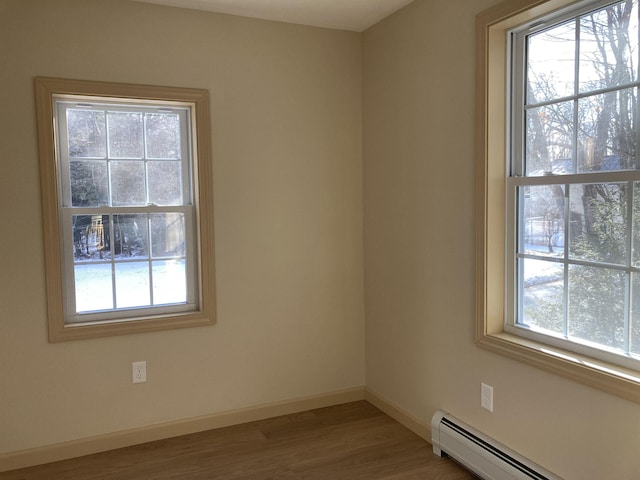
{"x":127,"y":207}
{"x":573,"y":193}
{"x":559,"y":188}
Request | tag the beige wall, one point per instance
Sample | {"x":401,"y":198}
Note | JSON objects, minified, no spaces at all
{"x":286,"y":115}
{"x":418,"y":104}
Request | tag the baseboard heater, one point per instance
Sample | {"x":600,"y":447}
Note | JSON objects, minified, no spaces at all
{"x":480,"y":454}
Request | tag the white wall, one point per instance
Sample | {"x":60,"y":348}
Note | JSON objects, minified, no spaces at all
{"x":286,"y":128}
{"x":418,"y":123}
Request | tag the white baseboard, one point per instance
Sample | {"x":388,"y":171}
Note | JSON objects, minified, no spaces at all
{"x":126,"y":438}
{"x":399,"y":415}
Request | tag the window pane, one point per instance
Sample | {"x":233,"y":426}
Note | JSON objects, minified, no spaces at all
{"x":90,"y":238}
{"x":163,"y":135}
{"x":130,"y":236}
{"x":86,"y":134}
{"x":549,"y":140}
{"x":598,"y":222}
{"x":608,"y":47}
{"x":169,"y":282}
{"x":607,"y":135}
{"x":125,"y":135}
{"x":132,"y":284}
{"x":542,"y":294}
{"x":128,"y":183}
{"x":596,"y":305}
{"x":89,"y":183}
{"x":541,"y":227}
{"x":551,"y":63}
{"x":167,"y":235}
{"x":165,"y":182}
{"x":94,"y":289}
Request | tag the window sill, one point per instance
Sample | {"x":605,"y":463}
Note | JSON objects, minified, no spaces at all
{"x":613,"y":379}
{"x":61,"y":332}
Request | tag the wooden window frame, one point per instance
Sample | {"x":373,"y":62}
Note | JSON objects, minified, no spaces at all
{"x":47,"y":90}
{"x":492,"y":26}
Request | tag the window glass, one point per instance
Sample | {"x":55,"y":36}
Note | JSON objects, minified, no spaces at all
{"x":89,"y":183}
{"x":165,"y":182}
{"x":87,"y":134}
{"x":551,"y":63}
{"x":163,"y":135}
{"x":609,"y":47}
{"x":128,"y":183}
{"x":125,"y":135}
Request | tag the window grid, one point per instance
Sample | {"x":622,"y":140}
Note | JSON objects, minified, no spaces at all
{"x":518,"y":183}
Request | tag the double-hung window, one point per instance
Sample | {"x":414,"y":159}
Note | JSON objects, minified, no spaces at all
{"x":558,"y":188}
{"x":573,"y":190}
{"x":126,"y":204}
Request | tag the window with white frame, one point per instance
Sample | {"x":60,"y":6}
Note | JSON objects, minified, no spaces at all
{"x":128,"y":204}
{"x":573,"y":182}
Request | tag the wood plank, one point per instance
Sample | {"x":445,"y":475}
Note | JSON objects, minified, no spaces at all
{"x":351,"y":441}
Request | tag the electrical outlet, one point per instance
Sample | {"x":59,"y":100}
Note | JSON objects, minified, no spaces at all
{"x":139,"y":372}
{"x":486,"y":397}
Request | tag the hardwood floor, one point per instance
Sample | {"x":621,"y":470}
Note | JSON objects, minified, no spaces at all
{"x":353,"y":441}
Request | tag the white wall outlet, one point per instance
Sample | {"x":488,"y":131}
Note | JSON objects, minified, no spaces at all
{"x":139,"y":372}
{"x":486,"y":397}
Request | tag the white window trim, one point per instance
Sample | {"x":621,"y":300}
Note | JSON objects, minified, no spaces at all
{"x":491,"y":173}
{"x":203,"y":311}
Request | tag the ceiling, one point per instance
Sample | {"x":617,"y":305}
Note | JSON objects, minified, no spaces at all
{"x":355,"y":15}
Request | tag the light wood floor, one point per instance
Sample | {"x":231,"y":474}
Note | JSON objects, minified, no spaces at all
{"x":354,"y":441}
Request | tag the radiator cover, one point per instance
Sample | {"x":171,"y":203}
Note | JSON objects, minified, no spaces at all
{"x":479,"y":453}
